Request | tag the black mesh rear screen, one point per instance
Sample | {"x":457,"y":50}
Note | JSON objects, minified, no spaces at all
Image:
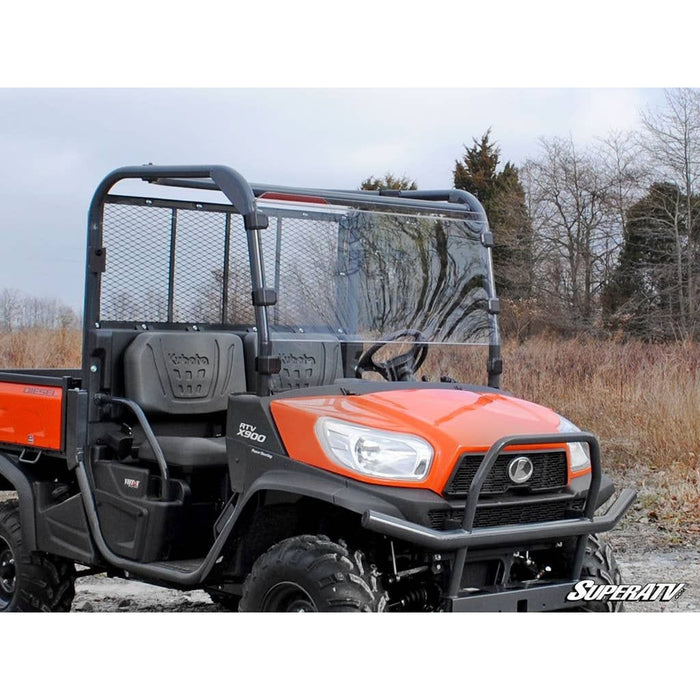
{"x":143,"y":281}
{"x":207,"y":277}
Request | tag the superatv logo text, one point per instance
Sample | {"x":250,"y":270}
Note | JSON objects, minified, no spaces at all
{"x":589,"y":590}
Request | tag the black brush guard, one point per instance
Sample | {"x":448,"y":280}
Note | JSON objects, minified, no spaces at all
{"x":542,"y":596}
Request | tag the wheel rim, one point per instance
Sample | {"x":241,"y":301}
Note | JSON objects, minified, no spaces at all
{"x":8,"y":573}
{"x":288,"y":597}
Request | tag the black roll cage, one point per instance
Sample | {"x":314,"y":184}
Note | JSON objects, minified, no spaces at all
{"x":243,"y":196}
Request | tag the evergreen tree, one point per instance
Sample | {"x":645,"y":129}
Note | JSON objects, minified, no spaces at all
{"x":388,"y":182}
{"x":478,"y":171}
{"x":503,"y":198}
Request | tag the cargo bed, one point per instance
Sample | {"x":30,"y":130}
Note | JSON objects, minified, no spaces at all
{"x":33,"y":408}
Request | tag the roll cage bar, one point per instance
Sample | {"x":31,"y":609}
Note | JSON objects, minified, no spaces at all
{"x":243,"y":196}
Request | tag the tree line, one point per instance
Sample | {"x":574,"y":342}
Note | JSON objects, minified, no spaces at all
{"x":19,"y":310}
{"x":601,"y":238}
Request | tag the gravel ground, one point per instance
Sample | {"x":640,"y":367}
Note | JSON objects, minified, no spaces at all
{"x":639,"y":547}
{"x":656,"y":552}
{"x":642,"y":561}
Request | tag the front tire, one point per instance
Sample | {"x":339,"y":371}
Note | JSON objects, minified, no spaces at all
{"x":311,"y":573}
{"x":30,"y":581}
{"x":599,"y":565}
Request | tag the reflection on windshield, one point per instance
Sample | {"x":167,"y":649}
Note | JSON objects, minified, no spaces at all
{"x":369,"y":274}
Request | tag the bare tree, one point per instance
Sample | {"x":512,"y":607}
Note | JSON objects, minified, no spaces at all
{"x":623,"y":168}
{"x":19,"y":310}
{"x":570,"y":197}
{"x":10,"y":307}
{"x":671,"y":143}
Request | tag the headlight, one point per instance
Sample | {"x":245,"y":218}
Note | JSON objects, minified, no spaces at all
{"x":377,"y":453}
{"x":579,"y":452}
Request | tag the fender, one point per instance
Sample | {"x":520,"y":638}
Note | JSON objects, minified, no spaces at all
{"x":320,"y":486}
{"x":298,"y":479}
{"x":20,"y":482}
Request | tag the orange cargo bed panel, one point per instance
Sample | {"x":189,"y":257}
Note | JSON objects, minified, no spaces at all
{"x":31,"y":415}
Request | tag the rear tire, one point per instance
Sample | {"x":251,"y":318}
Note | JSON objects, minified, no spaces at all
{"x":599,"y":565}
{"x":311,"y":573}
{"x":30,"y":581}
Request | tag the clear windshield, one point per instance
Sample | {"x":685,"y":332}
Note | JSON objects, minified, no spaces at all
{"x":368,"y":274}
{"x":354,"y":273}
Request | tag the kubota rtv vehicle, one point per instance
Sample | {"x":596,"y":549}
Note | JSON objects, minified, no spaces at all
{"x":277,"y":404}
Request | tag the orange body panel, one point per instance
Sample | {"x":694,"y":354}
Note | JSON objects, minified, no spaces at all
{"x":31,"y":415}
{"x":453,"y":422}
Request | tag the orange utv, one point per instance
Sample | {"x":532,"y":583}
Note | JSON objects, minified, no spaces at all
{"x":278,"y":403}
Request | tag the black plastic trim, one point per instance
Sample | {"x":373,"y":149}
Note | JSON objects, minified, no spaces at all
{"x":22,"y":484}
{"x":268,"y":364}
{"x":264,"y":297}
{"x":487,"y":239}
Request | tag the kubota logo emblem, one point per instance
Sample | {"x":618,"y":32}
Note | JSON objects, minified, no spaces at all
{"x":520,"y":470}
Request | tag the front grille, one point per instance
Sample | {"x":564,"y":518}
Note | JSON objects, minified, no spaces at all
{"x":550,"y":472}
{"x":517,"y":513}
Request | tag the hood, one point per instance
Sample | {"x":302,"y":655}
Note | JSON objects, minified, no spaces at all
{"x":452,"y":421}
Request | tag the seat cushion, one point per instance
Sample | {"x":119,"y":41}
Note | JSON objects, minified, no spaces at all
{"x":184,"y":373}
{"x":187,"y":453}
{"x":309,"y":359}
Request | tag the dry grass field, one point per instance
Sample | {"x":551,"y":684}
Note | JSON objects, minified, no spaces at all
{"x":39,"y":347}
{"x":643,"y":401}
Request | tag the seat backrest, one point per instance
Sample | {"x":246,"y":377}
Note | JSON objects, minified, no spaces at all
{"x":176,"y":372}
{"x":313,"y":359}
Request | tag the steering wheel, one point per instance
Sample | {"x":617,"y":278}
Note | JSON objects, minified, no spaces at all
{"x":399,"y":368}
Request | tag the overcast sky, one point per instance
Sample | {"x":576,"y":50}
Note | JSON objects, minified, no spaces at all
{"x":57,"y":144}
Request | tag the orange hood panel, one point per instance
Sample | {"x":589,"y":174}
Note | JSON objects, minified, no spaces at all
{"x":452,"y":421}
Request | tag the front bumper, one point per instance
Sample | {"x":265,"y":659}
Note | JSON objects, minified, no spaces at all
{"x":539,"y":598}
{"x":453,"y":540}
{"x":541,"y":595}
